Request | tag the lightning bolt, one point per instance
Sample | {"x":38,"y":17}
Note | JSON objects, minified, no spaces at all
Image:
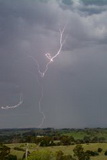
{"x":42,"y":74}
{"x":16,"y":105}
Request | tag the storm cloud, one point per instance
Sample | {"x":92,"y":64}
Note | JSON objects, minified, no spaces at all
{"x":74,"y":86}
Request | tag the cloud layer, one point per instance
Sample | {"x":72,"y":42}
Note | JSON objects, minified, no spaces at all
{"x":75,"y":84}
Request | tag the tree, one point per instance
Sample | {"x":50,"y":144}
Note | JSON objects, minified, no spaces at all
{"x":4,"y":152}
{"x":105,"y":153}
{"x":46,"y":141}
{"x":92,"y":153}
{"x":11,"y":157}
{"x":95,"y":140}
{"x":60,"y":156}
{"x":80,"y":154}
{"x":100,"y":150}
{"x":66,"y":140}
{"x":102,"y":139}
{"x":87,"y":139}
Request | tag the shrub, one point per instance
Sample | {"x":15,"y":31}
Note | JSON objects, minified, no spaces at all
{"x":60,"y":156}
{"x":92,"y":153}
{"x":80,"y":154}
{"x":105,"y":153}
{"x":19,"y":149}
{"x":99,"y":150}
{"x":11,"y":157}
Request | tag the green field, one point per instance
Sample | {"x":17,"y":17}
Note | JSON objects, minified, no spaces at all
{"x":66,"y":149}
{"x":97,"y":138}
{"x":80,"y":134}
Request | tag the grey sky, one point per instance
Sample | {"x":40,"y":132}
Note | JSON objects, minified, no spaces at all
{"x":75,"y":90}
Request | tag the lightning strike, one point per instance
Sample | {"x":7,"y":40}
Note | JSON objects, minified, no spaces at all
{"x":42,"y":74}
{"x":40,"y":109}
{"x":14,"y":106}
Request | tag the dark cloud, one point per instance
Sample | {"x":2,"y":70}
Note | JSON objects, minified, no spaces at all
{"x":75,"y":84}
{"x":95,"y":2}
{"x":86,"y":2}
{"x":86,"y":7}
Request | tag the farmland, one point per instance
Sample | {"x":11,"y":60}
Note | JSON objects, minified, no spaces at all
{"x":66,"y":149}
{"x":54,"y":140}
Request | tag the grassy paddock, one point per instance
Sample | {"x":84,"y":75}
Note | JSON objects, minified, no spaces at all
{"x":65,"y":149}
{"x":80,"y":134}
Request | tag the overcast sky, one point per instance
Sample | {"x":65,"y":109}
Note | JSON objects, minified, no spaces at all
{"x":75,"y":84}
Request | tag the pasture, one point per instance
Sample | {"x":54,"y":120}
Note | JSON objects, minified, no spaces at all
{"x":66,"y":149}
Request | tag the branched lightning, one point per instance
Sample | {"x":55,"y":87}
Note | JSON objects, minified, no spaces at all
{"x":40,"y":109}
{"x":43,"y":73}
{"x":16,"y":105}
